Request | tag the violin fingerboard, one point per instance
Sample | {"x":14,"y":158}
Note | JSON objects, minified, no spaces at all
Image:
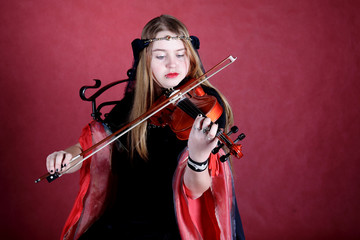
{"x":188,"y":107}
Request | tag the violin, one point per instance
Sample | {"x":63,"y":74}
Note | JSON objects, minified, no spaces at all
{"x":169,"y":109}
{"x":180,"y":117}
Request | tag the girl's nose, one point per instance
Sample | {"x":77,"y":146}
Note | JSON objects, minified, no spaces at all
{"x":171,"y":62}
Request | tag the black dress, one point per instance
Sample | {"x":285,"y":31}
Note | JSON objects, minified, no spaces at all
{"x":143,"y":207}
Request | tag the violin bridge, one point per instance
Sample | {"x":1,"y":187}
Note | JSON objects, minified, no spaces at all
{"x":174,"y":99}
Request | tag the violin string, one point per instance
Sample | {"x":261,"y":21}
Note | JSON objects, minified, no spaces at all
{"x":187,"y":106}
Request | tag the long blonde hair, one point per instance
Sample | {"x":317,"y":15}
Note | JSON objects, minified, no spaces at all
{"x":144,"y":95}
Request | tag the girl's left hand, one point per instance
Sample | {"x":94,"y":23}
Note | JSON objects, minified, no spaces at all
{"x":202,"y":139}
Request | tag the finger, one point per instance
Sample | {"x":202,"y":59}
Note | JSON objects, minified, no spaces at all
{"x":212,"y":132}
{"x":50,"y":163}
{"x":206,"y":125}
{"x":66,"y":161}
{"x":198,"y":122}
{"x":58,"y":161}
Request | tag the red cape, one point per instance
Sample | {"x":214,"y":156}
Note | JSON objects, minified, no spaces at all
{"x":212,"y":216}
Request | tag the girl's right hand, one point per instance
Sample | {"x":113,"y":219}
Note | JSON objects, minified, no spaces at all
{"x":58,"y":161}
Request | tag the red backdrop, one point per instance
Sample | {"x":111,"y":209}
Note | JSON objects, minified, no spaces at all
{"x":294,"y":90}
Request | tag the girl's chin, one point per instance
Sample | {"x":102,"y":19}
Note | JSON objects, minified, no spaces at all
{"x":171,"y":83}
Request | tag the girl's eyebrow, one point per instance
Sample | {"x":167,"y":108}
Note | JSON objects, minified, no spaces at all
{"x":164,"y":50}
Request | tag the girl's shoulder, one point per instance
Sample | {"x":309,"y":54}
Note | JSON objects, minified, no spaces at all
{"x":211,"y":91}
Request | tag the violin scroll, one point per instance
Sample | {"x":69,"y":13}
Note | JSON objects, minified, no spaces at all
{"x":234,"y":149}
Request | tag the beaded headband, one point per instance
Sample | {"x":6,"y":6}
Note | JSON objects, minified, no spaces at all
{"x":167,"y":38}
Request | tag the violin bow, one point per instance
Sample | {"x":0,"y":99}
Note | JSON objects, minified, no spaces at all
{"x":172,"y":99}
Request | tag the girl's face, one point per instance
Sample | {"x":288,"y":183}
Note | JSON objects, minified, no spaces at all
{"x":169,"y":61}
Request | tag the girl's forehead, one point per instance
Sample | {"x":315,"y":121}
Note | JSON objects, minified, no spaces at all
{"x":168,"y":45}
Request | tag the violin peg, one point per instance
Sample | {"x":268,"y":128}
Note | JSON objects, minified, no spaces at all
{"x":233,"y":129}
{"x":224,"y":158}
{"x":240,"y":137}
{"x":216,"y":150}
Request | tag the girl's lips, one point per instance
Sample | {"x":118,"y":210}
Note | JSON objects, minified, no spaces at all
{"x":171,"y":75}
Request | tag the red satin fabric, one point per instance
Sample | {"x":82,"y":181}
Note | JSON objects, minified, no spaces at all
{"x":94,"y":184}
{"x":210,"y":216}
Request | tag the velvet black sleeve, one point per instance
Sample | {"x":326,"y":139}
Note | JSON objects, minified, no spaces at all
{"x":119,"y":115}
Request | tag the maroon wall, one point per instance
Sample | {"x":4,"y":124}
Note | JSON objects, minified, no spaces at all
{"x":294,"y":91}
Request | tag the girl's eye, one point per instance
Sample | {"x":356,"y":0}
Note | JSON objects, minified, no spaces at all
{"x":180,"y":55}
{"x":160,"y":57}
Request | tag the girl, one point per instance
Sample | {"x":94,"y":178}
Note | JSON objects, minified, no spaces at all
{"x":150,"y":184}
